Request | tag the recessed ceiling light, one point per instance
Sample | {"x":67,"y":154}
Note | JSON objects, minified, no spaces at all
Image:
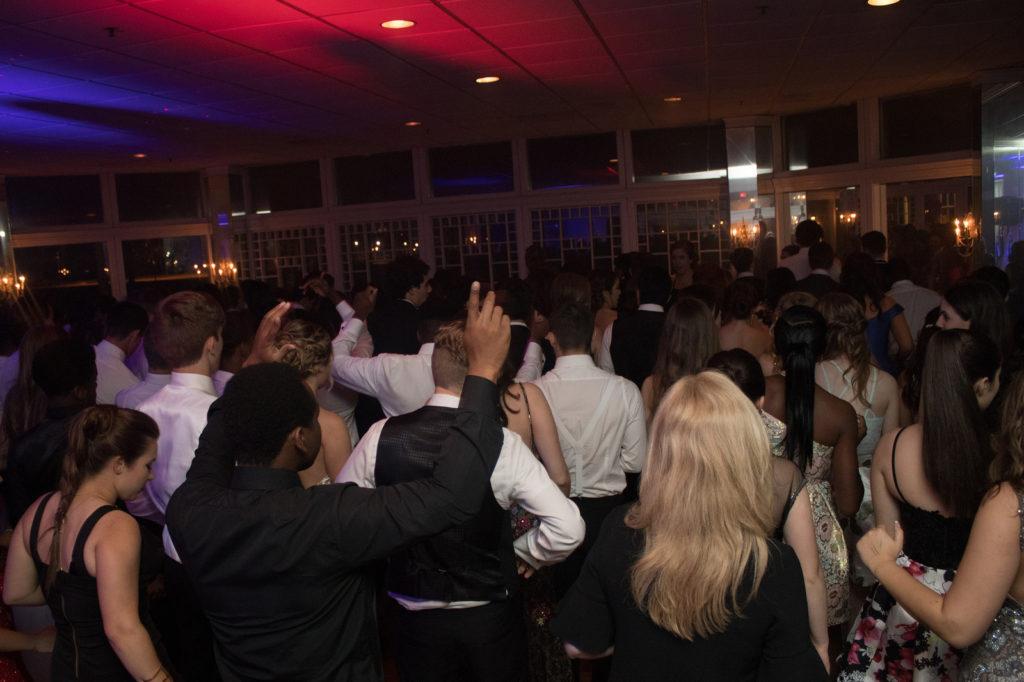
{"x":396,"y":24}
{"x":483,"y":80}
{"x":139,"y":155}
{"x":412,"y":124}
{"x":674,"y":98}
{"x":882,"y":3}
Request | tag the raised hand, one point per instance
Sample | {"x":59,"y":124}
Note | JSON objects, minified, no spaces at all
{"x":487,"y":335}
{"x":263,"y":347}
{"x":878,"y":548}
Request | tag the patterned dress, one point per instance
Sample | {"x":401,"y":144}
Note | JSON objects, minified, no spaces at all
{"x":828,"y":534}
{"x":999,"y":654}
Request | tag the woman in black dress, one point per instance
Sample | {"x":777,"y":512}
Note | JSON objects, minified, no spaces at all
{"x":90,"y":575}
{"x":686,"y":583}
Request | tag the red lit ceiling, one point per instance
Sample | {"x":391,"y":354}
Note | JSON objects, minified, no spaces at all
{"x":86,"y":83}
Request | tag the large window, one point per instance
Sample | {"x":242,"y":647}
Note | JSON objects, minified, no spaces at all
{"x":569,"y":162}
{"x":54,"y":200}
{"x":946,"y":120}
{"x":373,"y":178}
{"x":158,"y":196}
{"x":579,"y":238}
{"x":669,"y":154}
{"x":471,"y":169}
{"x":821,"y":138}
{"x":701,"y":221}
{"x":283,"y":256}
{"x":367,"y":248}
{"x":65,"y":266}
{"x":481,"y":245}
{"x":931,"y":204}
{"x":285,"y":187}
{"x":836,"y":210}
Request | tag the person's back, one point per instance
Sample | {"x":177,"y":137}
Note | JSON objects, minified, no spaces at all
{"x":125,"y":324}
{"x":632,"y":340}
{"x":393,"y":324}
{"x":915,"y":300}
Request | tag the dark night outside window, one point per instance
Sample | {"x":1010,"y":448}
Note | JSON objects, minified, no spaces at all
{"x":579,"y":161}
{"x":821,"y":138}
{"x":63,"y":266}
{"x":158,"y":196}
{"x":285,"y":187}
{"x":666,"y":154}
{"x":374,"y":178}
{"x":946,"y":120}
{"x":471,"y":169}
{"x":54,"y":200}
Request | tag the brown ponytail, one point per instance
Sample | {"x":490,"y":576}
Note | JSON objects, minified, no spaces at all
{"x":95,"y":436}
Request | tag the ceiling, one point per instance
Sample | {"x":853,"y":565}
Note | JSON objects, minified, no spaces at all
{"x":85,"y":84}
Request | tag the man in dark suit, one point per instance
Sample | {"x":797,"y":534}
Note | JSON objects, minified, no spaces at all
{"x":393,"y":323}
{"x":630,"y":344}
{"x":819,"y":282}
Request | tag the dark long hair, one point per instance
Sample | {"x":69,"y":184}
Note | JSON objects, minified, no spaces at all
{"x":95,"y":436}
{"x":25,"y":405}
{"x":957,"y":452}
{"x":861,"y":279}
{"x":513,"y":362}
{"x":979,"y":303}
{"x":800,"y":336}
{"x":688,"y":339}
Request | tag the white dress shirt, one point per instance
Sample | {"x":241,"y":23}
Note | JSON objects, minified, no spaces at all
{"x":179,"y":409}
{"x":112,"y":375}
{"x":798,"y":263}
{"x":604,"y":355}
{"x":134,"y":396}
{"x":518,"y":478}
{"x":220,"y":379}
{"x":402,"y":383}
{"x":917,"y":302}
{"x":601,"y":424}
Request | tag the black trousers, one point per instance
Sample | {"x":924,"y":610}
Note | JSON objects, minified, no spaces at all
{"x":195,"y":658}
{"x":593,"y":510}
{"x":481,"y":644}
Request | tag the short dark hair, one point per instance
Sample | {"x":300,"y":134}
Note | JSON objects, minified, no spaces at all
{"x":518,"y":303}
{"x":691,"y":250}
{"x":63,"y":365}
{"x":741,"y":298}
{"x":873,"y":242}
{"x":124,"y":318}
{"x":654,"y":285}
{"x":154,"y":360}
{"x":777,"y":283}
{"x":404,"y":273}
{"x":239,"y":329}
{"x":820,"y":256}
{"x":182,"y":324}
{"x":808,"y":232}
{"x":573,"y":326}
{"x":743,"y":369}
{"x":994,"y":276}
{"x":742,"y":259}
{"x":261,"y":405}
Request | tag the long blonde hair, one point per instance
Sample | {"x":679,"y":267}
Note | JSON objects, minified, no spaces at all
{"x":705,"y":508}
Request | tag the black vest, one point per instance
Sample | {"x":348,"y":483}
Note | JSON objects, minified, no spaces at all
{"x":634,"y":345}
{"x":472,"y":562}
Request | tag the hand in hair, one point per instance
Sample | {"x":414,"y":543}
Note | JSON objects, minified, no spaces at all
{"x":487,"y":335}
{"x":263,"y":348}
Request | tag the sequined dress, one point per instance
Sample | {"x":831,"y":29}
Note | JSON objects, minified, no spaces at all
{"x":999,"y":654}
{"x":828,"y":534}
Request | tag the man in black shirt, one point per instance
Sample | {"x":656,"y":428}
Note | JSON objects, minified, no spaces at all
{"x":280,"y":570}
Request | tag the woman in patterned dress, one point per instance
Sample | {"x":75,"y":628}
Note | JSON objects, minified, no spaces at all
{"x":818,"y":433}
{"x":983,"y":609}
{"x":930,"y":478}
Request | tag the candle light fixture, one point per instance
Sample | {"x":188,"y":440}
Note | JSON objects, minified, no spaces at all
{"x":967,"y":233}
{"x":745,"y":234}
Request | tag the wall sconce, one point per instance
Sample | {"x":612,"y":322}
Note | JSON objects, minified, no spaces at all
{"x":967,"y":233}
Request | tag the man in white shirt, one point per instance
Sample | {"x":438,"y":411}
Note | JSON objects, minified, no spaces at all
{"x":457,"y":588}
{"x":158,"y":375}
{"x":126,"y":323}
{"x":807,"y":234}
{"x":917,"y":301}
{"x":601,"y":426}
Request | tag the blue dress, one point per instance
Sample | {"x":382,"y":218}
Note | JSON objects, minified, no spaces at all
{"x":878,"y":338}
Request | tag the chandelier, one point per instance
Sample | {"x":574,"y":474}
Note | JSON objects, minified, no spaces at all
{"x":223,"y":274}
{"x":967,"y":233}
{"x":745,"y":234}
{"x":12,"y":285}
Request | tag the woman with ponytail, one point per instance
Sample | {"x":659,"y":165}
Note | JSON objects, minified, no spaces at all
{"x":818,"y":433}
{"x":75,"y":551}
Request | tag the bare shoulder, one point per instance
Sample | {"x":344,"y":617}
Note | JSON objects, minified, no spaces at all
{"x":329,"y":421}
{"x":116,"y":526}
{"x":1002,"y":503}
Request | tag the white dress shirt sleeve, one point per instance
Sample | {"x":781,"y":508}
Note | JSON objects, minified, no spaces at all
{"x":359,"y":468}
{"x":604,"y":356}
{"x":519,"y":478}
{"x":533,"y":363}
{"x":365,"y":375}
{"x":634,"y":438}
{"x":345,"y":310}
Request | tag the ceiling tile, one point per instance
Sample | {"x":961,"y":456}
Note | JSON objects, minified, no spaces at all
{"x":216,"y":15}
{"x":485,"y":13}
{"x":285,"y":35}
{"x":23,"y":12}
{"x":19,"y":45}
{"x":132,"y":26}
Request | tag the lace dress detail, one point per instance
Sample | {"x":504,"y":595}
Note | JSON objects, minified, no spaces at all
{"x":999,"y":654}
{"x":828,"y":534}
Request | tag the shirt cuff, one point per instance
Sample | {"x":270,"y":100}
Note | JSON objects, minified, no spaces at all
{"x":345,"y":310}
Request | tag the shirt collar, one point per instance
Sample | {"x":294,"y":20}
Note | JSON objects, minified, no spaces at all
{"x":519,"y":323}
{"x":444,"y":400}
{"x":108,"y":349}
{"x":427,"y":349}
{"x":821,"y":271}
{"x":264,"y":478}
{"x":902,"y":284}
{"x":570,"y":361}
{"x":158,"y":379}
{"x":651,"y":308}
{"x":199,"y":382}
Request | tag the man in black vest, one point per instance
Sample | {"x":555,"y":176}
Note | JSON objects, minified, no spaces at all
{"x":630,"y":344}
{"x":460,"y":617}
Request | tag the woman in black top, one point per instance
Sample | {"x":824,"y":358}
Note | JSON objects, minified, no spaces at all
{"x":90,"y":575}
{"x":686,"y":583}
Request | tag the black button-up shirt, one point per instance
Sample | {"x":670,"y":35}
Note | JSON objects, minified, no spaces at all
{"x":280,"y":570}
